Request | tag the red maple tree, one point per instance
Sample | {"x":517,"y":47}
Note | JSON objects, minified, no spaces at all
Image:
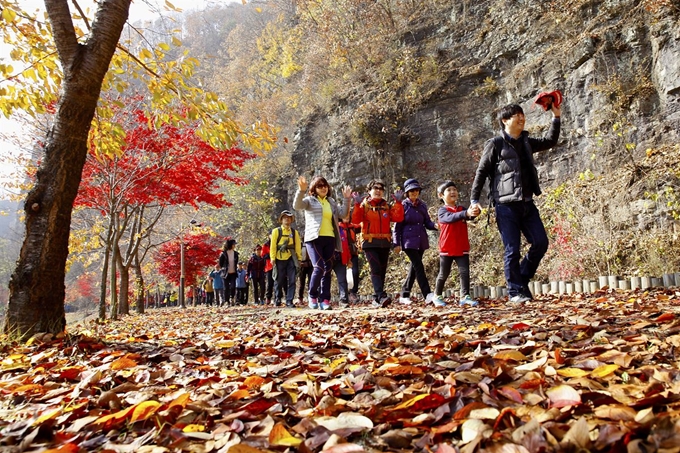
{"x":159,"y":165}
{"x":201,"y":253}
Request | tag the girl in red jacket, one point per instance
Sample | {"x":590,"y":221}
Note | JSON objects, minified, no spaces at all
{"x":453,"y":243}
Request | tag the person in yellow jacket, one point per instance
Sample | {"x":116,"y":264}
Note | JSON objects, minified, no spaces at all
{"x":286,"y":256}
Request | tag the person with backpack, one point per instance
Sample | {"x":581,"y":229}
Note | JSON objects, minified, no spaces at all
{"x":322,"y":234}
{"x":218,"y":285}
{"x":508,"y":163}
{"x":375,"y":215}
{"x":454,"y":244}
{"x":410,"y":236}
{"x":285,"y":256}
{"x":256,"y":274}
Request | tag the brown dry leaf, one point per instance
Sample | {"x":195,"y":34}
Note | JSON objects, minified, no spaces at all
{"x":563,"y":395}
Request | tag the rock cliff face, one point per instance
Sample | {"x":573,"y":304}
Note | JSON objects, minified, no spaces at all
{"x":617,"y":63}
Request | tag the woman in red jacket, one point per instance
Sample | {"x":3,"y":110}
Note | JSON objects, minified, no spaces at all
{"x":375,"y":214}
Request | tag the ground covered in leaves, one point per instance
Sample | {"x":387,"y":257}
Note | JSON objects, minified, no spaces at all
{"x":597,"y":373}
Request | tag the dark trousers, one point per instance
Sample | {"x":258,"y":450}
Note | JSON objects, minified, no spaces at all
{"x":242,"y":295}
{"x":304,"y":276}
{"x":270,"y":285}
{"x":285,"y":275}
{"x":378,"y":258}
{"x":340,"y":271}
{"x":230,"y":288}
{"x":463,"y":263}
{"x":209,"y":298}
{"x":416,"y":272}
{"x":514,"y":220}
{"x":258,"y":288}
{"x":355,"y":274}
{"x":320,"y":252}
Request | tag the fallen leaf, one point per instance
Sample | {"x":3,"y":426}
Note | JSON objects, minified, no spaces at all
{"x":563,"y":395}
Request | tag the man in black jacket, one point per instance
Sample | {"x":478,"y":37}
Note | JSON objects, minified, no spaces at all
{"x":507,"y":161}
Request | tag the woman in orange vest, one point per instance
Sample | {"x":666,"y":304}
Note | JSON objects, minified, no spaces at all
{"x":375,"y":215}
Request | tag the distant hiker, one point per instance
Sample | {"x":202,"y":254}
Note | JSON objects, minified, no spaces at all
{"x":351,"y":231}
{"x":304,"y":275}
{"x":268,"y":272}
{"x":241,"y":285}
{"x":374,"y":214}
{"x":285,"y":256}
{"x":508,"y":163}
{"x":209,"y":291}
{"x":341,"y":259}
{"x":322,"y":234}
{"x":256,"y":274}
{"x":410,"y":235}
{"x":218,"y":285}
{"x":228,"y":263}
{"x":453,"y":243}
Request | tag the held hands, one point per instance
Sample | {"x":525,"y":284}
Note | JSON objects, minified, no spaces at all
{"x":302,"y":183}
{"x":357,"y":197}
{"x":398,"y":195}
{"x":397,"y":249}
{"x":474,"y":210}
{"x":347,"y":192}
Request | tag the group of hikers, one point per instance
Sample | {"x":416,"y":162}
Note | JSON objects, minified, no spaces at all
{"x":335,"y":232}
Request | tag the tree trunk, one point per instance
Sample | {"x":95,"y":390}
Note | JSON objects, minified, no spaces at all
{"x":139,"y":286}
{"x":105,"y":270}
{"x":123,"y":301}
{"x":114,"y":281}
{"x":37,"y":290}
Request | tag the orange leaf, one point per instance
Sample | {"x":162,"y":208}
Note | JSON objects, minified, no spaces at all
{"x":532,"y":384}
{"x":511,"y":394}
{"x":514,"y":355}
{"x":572,"y":372}
{"x":403,"y":370}
{"x":243,"y":448}
{"x":422,"y":402}
{"x":665,"y":317}
{"x":464,"y":412}
{"x":181,"y":401}
{"x":66,"y":448}
{"x":559,"y":358}
{"x":279,"y":436}
{"x":144,"y":410}
{"x":254,"y":382}
{"x":239,"y":394}
{"x":110,"y":420}
{"x":70,"y":373}
{"x":123,"y":364}
{"x":520,"y":326}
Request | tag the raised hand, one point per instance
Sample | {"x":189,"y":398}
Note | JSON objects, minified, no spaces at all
{"x":398,"y":195}
{"x":346,"y":192}
{"x":357,"y":197}
{"x":302,"y":183}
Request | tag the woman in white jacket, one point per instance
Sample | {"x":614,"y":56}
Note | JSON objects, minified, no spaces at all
{"x":322,"y":234}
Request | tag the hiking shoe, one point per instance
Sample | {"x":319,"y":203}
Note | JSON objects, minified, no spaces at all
{"x":518,"y":299}
{"x":325,"y":305}
{"x":429,"y":298}
{"x":344,"y":304}
{"x":405,"y":300}
{"x":467,"y":300}
{"x":438,"y":301}
{"x":290,"y":304}
{"x":376,"y":304}
{"x":385,"y":301}
{"x":313,"y":303}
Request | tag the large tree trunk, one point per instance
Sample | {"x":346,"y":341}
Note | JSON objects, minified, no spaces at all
{"x":37,"y":288}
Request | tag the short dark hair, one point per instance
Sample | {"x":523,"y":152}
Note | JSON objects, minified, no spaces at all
{"x":507,"y":112}
{"x":316,"y":182}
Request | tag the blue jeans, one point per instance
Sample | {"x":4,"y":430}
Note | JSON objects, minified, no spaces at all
{"x":320,"y":252}
{"x":514,"y":220}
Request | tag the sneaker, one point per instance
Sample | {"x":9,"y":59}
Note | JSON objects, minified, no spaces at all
{"x":429,"y":298}
{"x":376,"y":304}
{"x":405,"y":300}
{"x":344,"y":304}
{"x":325,"y":305}
{"x":353,"y":298}
{"x":467,"y":300}
{"x":526,"y":292}
{"x":438,"y":301}
{"x":518,"y":299}
{"x":313,"y":303}
{"x":290,"y":304}
{"x":385,"y":301}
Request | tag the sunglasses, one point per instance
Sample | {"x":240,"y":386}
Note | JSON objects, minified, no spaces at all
{"x":378,"y":188}
{"x":321,"y":186}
